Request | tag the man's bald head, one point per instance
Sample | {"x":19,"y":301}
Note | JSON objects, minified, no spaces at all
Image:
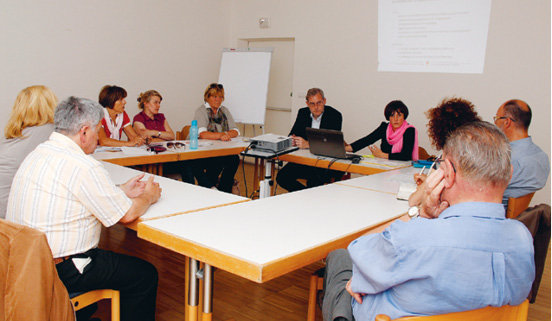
{"x":519,"y":112}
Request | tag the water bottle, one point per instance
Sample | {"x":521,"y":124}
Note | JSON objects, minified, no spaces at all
{"x":193,"y":135}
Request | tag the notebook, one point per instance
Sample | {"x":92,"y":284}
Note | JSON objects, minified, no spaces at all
{"x":327,"y":142}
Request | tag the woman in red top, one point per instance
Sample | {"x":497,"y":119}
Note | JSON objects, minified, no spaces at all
{"x":150,"y":123}
{"x":115,"y":119}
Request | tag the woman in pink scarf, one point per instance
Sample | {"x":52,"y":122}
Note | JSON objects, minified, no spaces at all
{"x":399,"y":139}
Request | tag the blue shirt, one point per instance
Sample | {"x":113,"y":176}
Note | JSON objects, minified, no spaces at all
{"x":468,"y":258}
{"x":531,"y":169}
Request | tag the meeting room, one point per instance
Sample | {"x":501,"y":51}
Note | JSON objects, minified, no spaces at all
{"x":275,"y":160}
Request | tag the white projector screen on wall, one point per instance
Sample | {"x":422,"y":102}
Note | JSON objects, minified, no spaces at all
{"x":244,"y":73}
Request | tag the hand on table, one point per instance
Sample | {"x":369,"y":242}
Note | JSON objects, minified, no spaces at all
{"x":299,"y":142}
{"x":134,"y":187}
{"x":376,"y":151}
{"x":152,"y":191}
{"x":225,"y":137}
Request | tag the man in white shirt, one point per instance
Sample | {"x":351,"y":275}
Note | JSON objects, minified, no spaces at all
{"x":62,"y":191}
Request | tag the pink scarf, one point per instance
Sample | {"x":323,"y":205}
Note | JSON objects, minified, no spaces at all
{"x":395,"y":138}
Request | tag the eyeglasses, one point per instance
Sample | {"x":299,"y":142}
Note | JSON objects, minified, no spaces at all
{"x":439,"y":160}
{"x":175,"y":145}
{"x":215,"y":85}
{"x":495,"y":118}
{"x":318,"y":103}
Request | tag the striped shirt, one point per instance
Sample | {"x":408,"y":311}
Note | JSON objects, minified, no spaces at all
{"x":66,"y":194}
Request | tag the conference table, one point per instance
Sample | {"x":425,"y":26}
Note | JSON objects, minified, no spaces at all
{"x":176,"y":198}
{"x":367,"y":165}
{"x":133,"y":156}
{"x":266,"y":238}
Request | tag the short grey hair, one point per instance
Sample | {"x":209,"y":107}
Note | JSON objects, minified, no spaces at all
{"x":313,"y":92}
{"x":73,"y":113}
{"x":481,"y":152}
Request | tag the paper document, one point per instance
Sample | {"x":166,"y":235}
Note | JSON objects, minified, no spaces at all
{"x":135,"y":151}
{"x":405,"y":190}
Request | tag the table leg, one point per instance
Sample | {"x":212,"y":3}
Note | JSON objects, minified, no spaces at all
{"x":255,"y":177}
{"x":207,"y":293}
{"x":159,"y":169}
{"x":193,"y":291}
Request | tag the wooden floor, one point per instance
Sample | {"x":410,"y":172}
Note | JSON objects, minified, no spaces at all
{"x":237,"y":299}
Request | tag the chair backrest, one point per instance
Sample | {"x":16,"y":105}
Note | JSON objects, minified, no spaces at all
{"x":30,"y":288}
{"x":422,"y":153}
{"x":181,"y":135}
{"x":503,"y":313}
{"x":518,"y":204}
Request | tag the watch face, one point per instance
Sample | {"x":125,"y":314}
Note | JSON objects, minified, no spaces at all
{"x":413,"y":211}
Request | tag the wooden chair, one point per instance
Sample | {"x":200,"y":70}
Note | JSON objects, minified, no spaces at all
{"x":316,"y":284}
{"x":422,"y":153}
{"x":503,"y":313}
{"x":518,"y":204}
{"x":84,"y":299}
{"x":181,"y":135}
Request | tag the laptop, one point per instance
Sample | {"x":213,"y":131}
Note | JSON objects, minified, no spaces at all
{"x":329,"y":143}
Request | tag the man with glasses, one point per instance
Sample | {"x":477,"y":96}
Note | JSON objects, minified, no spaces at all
{"x":530,"y":163}
{"x":316,"y":115}
{"x":64,"y":192}
{"x":459,"y":254}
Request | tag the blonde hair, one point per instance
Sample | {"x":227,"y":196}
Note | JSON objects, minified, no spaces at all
{"x":146,"y":96}
{"x":212,"y":90}
{"x":34,"y":106}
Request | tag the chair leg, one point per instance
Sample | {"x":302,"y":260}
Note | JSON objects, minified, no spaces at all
{"x":115,"y":306}
{"x":313,"y":289}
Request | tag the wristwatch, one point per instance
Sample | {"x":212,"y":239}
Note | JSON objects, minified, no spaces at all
{"x":413,"y":211}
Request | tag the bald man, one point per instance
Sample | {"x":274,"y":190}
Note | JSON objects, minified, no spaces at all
{"x":530,"y":163}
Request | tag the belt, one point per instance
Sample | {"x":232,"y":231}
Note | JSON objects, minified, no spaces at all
{"x":58,"y":260}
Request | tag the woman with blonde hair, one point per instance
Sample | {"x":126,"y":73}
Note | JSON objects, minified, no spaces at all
{"x":31,"y":122}
{"x":215,"y":122}
{"x":150,"y":123}
{"x":153,"y":126}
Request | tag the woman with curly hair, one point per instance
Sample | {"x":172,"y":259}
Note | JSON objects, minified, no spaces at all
{"x":450,"y":114}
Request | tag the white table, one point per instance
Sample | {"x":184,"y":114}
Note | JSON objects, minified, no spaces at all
{"x":266,"y":238}
{"x":367,"y":166}
{"x":206,"y":149}
{"x":386,"y":182}
{"x":176,"y":198}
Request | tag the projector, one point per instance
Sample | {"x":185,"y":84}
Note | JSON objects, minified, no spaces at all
{"x":271,"y":142}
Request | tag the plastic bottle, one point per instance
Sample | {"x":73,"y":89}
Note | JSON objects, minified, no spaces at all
{"x":193,"y":135}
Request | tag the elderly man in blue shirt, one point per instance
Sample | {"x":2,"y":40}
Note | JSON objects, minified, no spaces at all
{"x":530,"y":163}
{"x":461,"y":253}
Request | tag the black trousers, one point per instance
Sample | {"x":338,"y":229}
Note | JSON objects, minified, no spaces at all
{"x":289,"y":174}
{"x":207,"y":171}
{"x":135,"y":279}
{"x":184,"y":168}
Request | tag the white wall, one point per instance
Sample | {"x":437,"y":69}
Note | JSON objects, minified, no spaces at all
{"x":336,"y":49}
{"x":76,"y":47}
